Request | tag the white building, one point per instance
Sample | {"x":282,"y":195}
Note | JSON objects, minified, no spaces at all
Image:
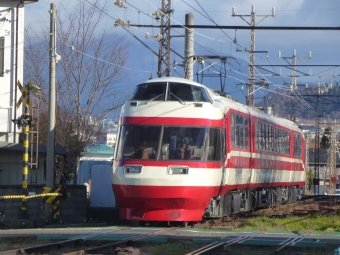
{"x":107,"y":137}
{"x":12,"y":16}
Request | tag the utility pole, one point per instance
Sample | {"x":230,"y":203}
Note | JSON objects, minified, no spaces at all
{"x":164,"y":43}
{"x":251,"y":68}
{"x":316,"y":180}
{"x":52,"y":97}
{"x":332,"y":162}
{"x":308,"y":138}
{"x":189,"y":48}
{"x":316,"y":99}
{"x":293,"y":85}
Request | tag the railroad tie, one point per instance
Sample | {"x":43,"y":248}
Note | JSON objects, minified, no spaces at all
{"x":237,"y":240}
{"x":290,"y":242}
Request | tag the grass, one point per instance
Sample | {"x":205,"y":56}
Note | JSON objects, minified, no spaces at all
{"x":10,"y":243}
{"x":306,"y":224}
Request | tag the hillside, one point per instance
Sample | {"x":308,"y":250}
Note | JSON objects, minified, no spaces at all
{"x":305,"y":101}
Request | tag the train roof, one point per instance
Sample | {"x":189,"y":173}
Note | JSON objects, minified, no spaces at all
{"x":223,"y":100}
{"x":174,"y":79}
{"x":229,"y":102}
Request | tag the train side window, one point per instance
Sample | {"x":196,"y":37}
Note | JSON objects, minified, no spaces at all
{"x":239,"y":131}
{"x":297,"y":145}
{"x":278,"y":141}
{"x":246,"y":132}
{"x":264,"y":137}
{"x":282,"y":141}
{"x":271,"y":138}
{"x":287,"y":142}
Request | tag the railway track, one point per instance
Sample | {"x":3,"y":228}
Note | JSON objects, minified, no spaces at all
{"x":311,"y":205}
{"x":128,"y":241}
{"x":307,"y":206}
{"x":84,"y":244}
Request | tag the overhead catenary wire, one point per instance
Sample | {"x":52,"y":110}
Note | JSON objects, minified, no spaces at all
{"x":102,"y":60}
{"x":195,"y":42}
{"x":207,"y":16}
{"x":186,"y":27}
{"x":175,"y":20}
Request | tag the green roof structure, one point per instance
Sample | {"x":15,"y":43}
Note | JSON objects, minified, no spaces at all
{"x":98,"y":149}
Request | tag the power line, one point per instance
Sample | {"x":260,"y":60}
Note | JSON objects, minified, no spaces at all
{"x":242,"y":27}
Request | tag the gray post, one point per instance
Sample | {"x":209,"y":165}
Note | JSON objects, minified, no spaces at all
{"x":52,"y":96}
{"x":189,"y":47}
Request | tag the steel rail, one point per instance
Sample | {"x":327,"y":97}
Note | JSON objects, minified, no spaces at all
{"x":58,"y":244}
{"x":122,"y":241}
{"x":209,"y":248}
{"x":290,"y":242}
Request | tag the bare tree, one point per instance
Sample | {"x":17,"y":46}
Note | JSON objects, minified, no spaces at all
{"x":89,"y":74}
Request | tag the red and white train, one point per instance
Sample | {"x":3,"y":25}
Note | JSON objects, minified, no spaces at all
{"x":185,"y":152}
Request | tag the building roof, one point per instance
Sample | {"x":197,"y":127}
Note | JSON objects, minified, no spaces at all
{"x":98,"y":149}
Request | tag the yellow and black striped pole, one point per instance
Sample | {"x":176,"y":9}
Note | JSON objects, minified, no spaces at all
{"x":25,"y":121}
{"x":26,"y":130}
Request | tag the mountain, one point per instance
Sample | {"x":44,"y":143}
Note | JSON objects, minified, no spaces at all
{"x":305,"y":102}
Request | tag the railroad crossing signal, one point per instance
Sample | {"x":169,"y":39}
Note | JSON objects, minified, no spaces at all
{"x":25,"y":120}
{"x":25,"y":92}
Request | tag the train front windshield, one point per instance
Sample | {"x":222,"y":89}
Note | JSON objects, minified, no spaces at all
{"x":171,"y":91}
{"x":171,"y":143}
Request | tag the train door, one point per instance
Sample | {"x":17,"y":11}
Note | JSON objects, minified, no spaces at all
{"x":291,"y":142}
{"x":251,"y":139}
{"x":227,"y":147}
{"x":224,"y":158}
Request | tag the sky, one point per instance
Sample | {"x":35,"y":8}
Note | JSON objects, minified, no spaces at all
{"x":323,"y":45}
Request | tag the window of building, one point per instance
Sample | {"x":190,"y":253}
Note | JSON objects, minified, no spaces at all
{"x":2,"y":55}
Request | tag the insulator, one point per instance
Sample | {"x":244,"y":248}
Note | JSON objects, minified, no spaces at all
{"x":120,"y":22}
{"x":158,"y":37}
{"x":157,"y":14}
{"x":119,"y":4}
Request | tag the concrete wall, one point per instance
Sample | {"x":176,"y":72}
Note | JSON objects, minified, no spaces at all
{"x":11,"y":163}
{"x":72,"y":210}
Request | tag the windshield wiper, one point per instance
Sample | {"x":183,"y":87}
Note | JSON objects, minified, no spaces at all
{"x":154,"y":98}
{"x":179,"y":100}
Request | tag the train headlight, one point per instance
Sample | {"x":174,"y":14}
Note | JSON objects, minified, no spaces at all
{"x":132,"y":169}
{"x":178,"y":170}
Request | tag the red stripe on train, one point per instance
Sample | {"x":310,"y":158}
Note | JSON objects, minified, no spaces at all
{"x":193,"y":164}
{"x":232,"y":163}
{"x":258,"y":163}
{"x":172,"y":121}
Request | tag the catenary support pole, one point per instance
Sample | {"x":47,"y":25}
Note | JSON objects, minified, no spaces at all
{"x":189,"y":47}
{"x":52,"y":96}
